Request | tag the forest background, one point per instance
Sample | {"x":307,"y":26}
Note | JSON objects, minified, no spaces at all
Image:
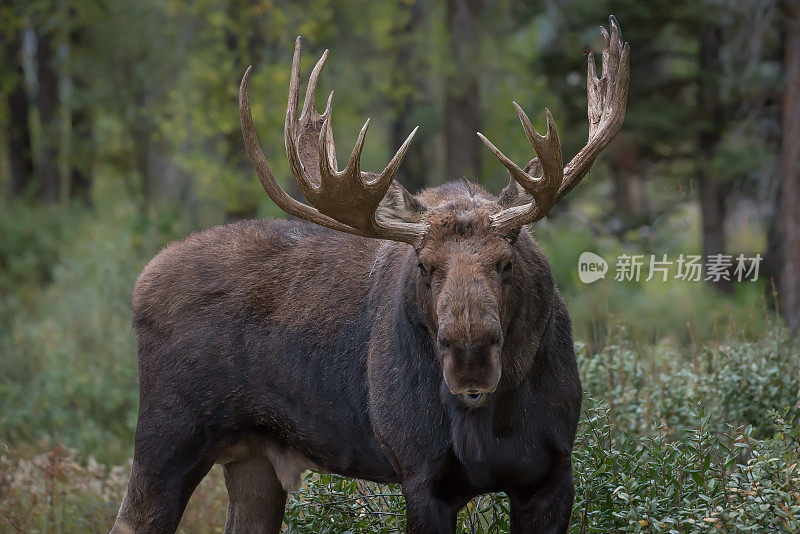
{"x":119,"y":132}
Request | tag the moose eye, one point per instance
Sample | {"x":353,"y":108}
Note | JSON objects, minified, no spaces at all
{"x":425,"y":272}
{"x":505,"y":271}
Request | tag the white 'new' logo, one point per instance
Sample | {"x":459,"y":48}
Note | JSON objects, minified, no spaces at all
{"x":591,"y":267}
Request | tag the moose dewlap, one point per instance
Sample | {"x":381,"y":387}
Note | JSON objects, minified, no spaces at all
{"x":402,"y":338}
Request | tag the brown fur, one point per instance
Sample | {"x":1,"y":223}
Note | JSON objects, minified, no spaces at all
{"x":274,"y":346}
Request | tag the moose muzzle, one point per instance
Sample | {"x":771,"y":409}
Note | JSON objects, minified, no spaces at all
{"x":471,"y":364}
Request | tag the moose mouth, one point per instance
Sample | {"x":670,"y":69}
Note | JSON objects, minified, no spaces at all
{"x":473,"y":399}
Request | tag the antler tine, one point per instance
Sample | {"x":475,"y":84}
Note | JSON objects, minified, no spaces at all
{"x":344,"y":200}
{"x":547,"y":147}
{"x":294,"y":86}
{"x":378,"y":184}
{"x":542,"y":187}
{"x":326,"y":151}
{"x":607,"y":98}
{"x":265,"y":176}
{"x":516,"y":172}
{"x":293,"y":128}
{"x":311,"y":89}
{"x":354,"y":163}
{"x":325,"y":146}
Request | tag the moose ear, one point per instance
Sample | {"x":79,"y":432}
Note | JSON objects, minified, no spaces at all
{"x":399,"y":206}
{"x":513,"y":194}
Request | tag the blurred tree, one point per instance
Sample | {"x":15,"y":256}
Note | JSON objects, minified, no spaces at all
{"x":12,"y":75}
{"x":660,"y":134}
{"x":790,"y":168}
{"x":81,"y":149}
{"x":462,"y":103}
{"x":47,"y":102}
{"x":712,"y":190}
{"x":134,"y":76}
{"x":245,"y":43}
{"x":701,"y":107}
{"x":410,"y":95}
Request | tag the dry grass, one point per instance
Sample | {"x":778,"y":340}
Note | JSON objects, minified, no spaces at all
{"x":57,"y":491}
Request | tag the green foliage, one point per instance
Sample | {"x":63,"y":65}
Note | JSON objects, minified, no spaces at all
{"x":703,"y":482}
{"x":68,"y":352}
{"x":739,"y":383}
{"x":334,"y":504}
{"x":706,"y":482}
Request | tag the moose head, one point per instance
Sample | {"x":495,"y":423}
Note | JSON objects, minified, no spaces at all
{"x":465,"y":251}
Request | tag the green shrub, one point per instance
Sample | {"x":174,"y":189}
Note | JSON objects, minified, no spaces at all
{"x":647,"y":457}
{"x":68,"y":351}
{"x":702,"y":482}
{"x":739,"y":382}
{"x":705,"y":482}
{"x":337,"y":505}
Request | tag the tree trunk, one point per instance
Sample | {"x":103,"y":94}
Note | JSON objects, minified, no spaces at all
{"x":141,"y":136}
{"x":712,"y":205}
{"x":18,"y":130}
{"x":80,"y":174}
{"x":409,"y":70}
{"x":244,"y":52}
{"x":462,"y":94}
{"x":81,"y":141}
{"x":712,"y":193}
{"x":790,"y":170}
{"x":47,"y":102}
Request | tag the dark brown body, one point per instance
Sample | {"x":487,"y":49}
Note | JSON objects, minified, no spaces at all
{"x":418,"y":339}
{"x":274,"y":346}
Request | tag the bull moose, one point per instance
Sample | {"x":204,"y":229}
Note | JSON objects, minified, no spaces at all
{"x":417,"y":339}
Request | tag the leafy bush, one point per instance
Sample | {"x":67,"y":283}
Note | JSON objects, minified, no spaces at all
{"x":739,"y":382}
{"x":704,"y":482}
{"x":31,"y":240}
{"x":68,"y":351}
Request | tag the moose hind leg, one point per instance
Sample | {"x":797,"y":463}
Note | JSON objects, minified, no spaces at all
{"x":155,"y":500}
{"x":168,"y":464}
{"x":256,"y":498}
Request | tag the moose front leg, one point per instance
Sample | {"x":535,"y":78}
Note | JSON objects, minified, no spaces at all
{"x":427,"y":513}
{"x":547,"y":509}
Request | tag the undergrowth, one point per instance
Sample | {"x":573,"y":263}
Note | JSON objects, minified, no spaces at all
{"x":674,"y":436}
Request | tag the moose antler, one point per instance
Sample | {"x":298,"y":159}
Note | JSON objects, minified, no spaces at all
{"x":343,"y":200}
{"x":545,"y":177}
